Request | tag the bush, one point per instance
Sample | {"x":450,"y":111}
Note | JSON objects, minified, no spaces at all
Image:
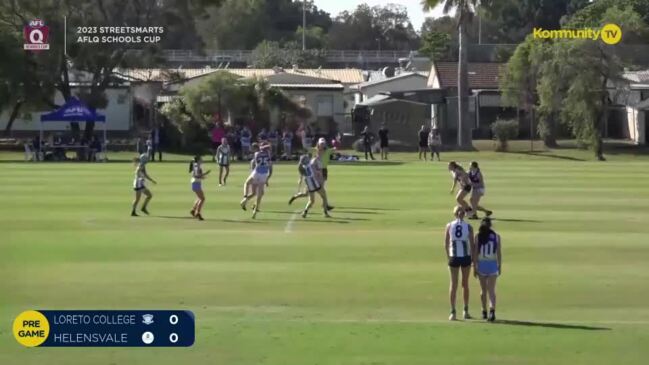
{"x":503,"y":131}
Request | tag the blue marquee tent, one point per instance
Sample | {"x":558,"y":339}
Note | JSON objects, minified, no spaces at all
{"x":73,"y":111}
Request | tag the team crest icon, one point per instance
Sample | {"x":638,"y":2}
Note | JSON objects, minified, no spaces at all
{"x":147,"y":319}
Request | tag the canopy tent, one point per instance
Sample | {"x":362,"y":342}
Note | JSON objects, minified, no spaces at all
{"x":73,"y":111}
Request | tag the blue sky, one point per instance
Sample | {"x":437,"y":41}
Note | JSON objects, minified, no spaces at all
{"x":414,"y":8}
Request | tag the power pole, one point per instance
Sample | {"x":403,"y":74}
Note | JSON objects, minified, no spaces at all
{"x":304,"y":26}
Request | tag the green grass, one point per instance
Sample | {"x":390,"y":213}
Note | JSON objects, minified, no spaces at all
{"x":366,"y":287}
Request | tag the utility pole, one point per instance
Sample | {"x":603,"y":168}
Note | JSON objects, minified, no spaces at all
{"x":304,"y":26}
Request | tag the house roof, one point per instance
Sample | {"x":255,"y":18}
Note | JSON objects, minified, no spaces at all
{"x":391,"y":79}
{"x":481,"y":75}
{"x":637,"y":76}
{"x":345,"y":76}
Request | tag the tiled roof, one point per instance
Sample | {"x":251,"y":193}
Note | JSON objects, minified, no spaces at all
{"x":345,"y":76}
{"x":481,"y":75}
{"x":637,"y":76}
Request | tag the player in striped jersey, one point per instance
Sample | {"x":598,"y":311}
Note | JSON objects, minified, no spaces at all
{"x":477,"y":190}
{"x":488,"y":266}
{"x":460,"y":176}
{"x":458,"y":243}
{"x":313,"y":180}
{"x":223,"y":159}
{"x":196,"y":169}
{"x":139,"y":185}
{"x":258,"y":179}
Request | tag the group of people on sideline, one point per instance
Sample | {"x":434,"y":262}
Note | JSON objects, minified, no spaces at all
{"x":427,"y":140}
{"x":282,"y":142}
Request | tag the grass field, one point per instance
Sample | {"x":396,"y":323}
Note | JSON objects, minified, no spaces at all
{"x":366,"y":287}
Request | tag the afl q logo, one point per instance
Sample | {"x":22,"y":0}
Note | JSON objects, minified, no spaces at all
{"x":36,"y":35}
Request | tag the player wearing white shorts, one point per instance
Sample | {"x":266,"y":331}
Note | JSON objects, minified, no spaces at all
{"x":139,"y":185}
{"x":223,"y":160}
{"x":196,"y":169}
{"x":313,"y":180}
{"x":258,"y":179}
{"x":477,"y":190}
{"x":458,"y":244}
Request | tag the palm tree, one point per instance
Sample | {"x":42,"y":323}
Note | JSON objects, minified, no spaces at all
{"x":464,"y":14}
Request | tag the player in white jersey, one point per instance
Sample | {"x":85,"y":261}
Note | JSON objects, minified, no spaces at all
{"x":196,"y":169}
{"x":477,"y":190}
{"x":258,"y":179}
{"x":313,"y":180}
{"x":458,"y":244}
{"x":139,"y":185}
{"x":223,"y":159}
{"x":488,"y":260}
{"x":460,"y":176}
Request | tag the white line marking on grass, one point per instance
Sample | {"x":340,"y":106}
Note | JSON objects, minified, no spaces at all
{"x":289,"y":224}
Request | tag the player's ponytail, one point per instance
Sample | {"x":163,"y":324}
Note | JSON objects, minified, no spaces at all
{"x":484,"y":232}
{"x":191,"y":163}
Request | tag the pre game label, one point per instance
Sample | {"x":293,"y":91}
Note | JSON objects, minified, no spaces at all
{"x":105,"y":328}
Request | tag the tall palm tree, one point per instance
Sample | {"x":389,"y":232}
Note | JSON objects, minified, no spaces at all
{"x":464,"y":13}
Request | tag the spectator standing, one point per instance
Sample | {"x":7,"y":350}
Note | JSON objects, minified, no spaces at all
{"x":287,"y":141}
{"x":435,"y":144}
{"x":245,"y":138}
{"x":423,"y":142}
{"x":155,"y":138}
{"x":368,"y":137}
{"x":385,"y":140}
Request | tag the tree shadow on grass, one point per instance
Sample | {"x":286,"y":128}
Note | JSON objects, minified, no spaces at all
{"x":515,"y":220}
{"x":562,"y":326}
{"x":549,"y":155}
{"x":369,"y":163}
{"x":366,"y":208}
{"x":207,"y":219}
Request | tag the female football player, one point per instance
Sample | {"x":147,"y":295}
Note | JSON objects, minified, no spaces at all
{"x":223,"y":159}
{"x":460,"y":176}
{"x":487,"y":266}
{"x":196,"y":169}
{"x":458,"y":244}
{"x":477,"y":190}
{"x":313,"y":180}
{"x":139,"y":187}
{"x":258,"y":179}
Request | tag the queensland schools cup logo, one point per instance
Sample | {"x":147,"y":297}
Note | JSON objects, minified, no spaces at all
{"x":36,"y":35}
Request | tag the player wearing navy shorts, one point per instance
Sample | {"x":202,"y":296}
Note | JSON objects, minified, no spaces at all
{"x":460,"y":176}
{"x":477,"y":190}
{"x":458,"y":244}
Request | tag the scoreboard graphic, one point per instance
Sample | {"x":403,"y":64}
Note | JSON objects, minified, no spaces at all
{"x":86,"y":328}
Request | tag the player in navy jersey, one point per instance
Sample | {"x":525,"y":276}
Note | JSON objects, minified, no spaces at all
{"x":223,"y":153}
{"x":196,"y":169}
{"x":460,"y":176}
{"x":314,"y":182}
{"x":458,"y":244}
{"x":139,"y":185}
{"x":477,"y":190}
{"x":488,"y":260}
{"x":262,"y":170}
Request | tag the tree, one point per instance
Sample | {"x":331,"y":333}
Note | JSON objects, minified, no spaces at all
{"x":579,"y":72}
{"x":435,"y":45}
{"x":519,"y":86}
{"x":368,"y":28}
{"x":464,"y":14}
{"x":271,"y":54}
